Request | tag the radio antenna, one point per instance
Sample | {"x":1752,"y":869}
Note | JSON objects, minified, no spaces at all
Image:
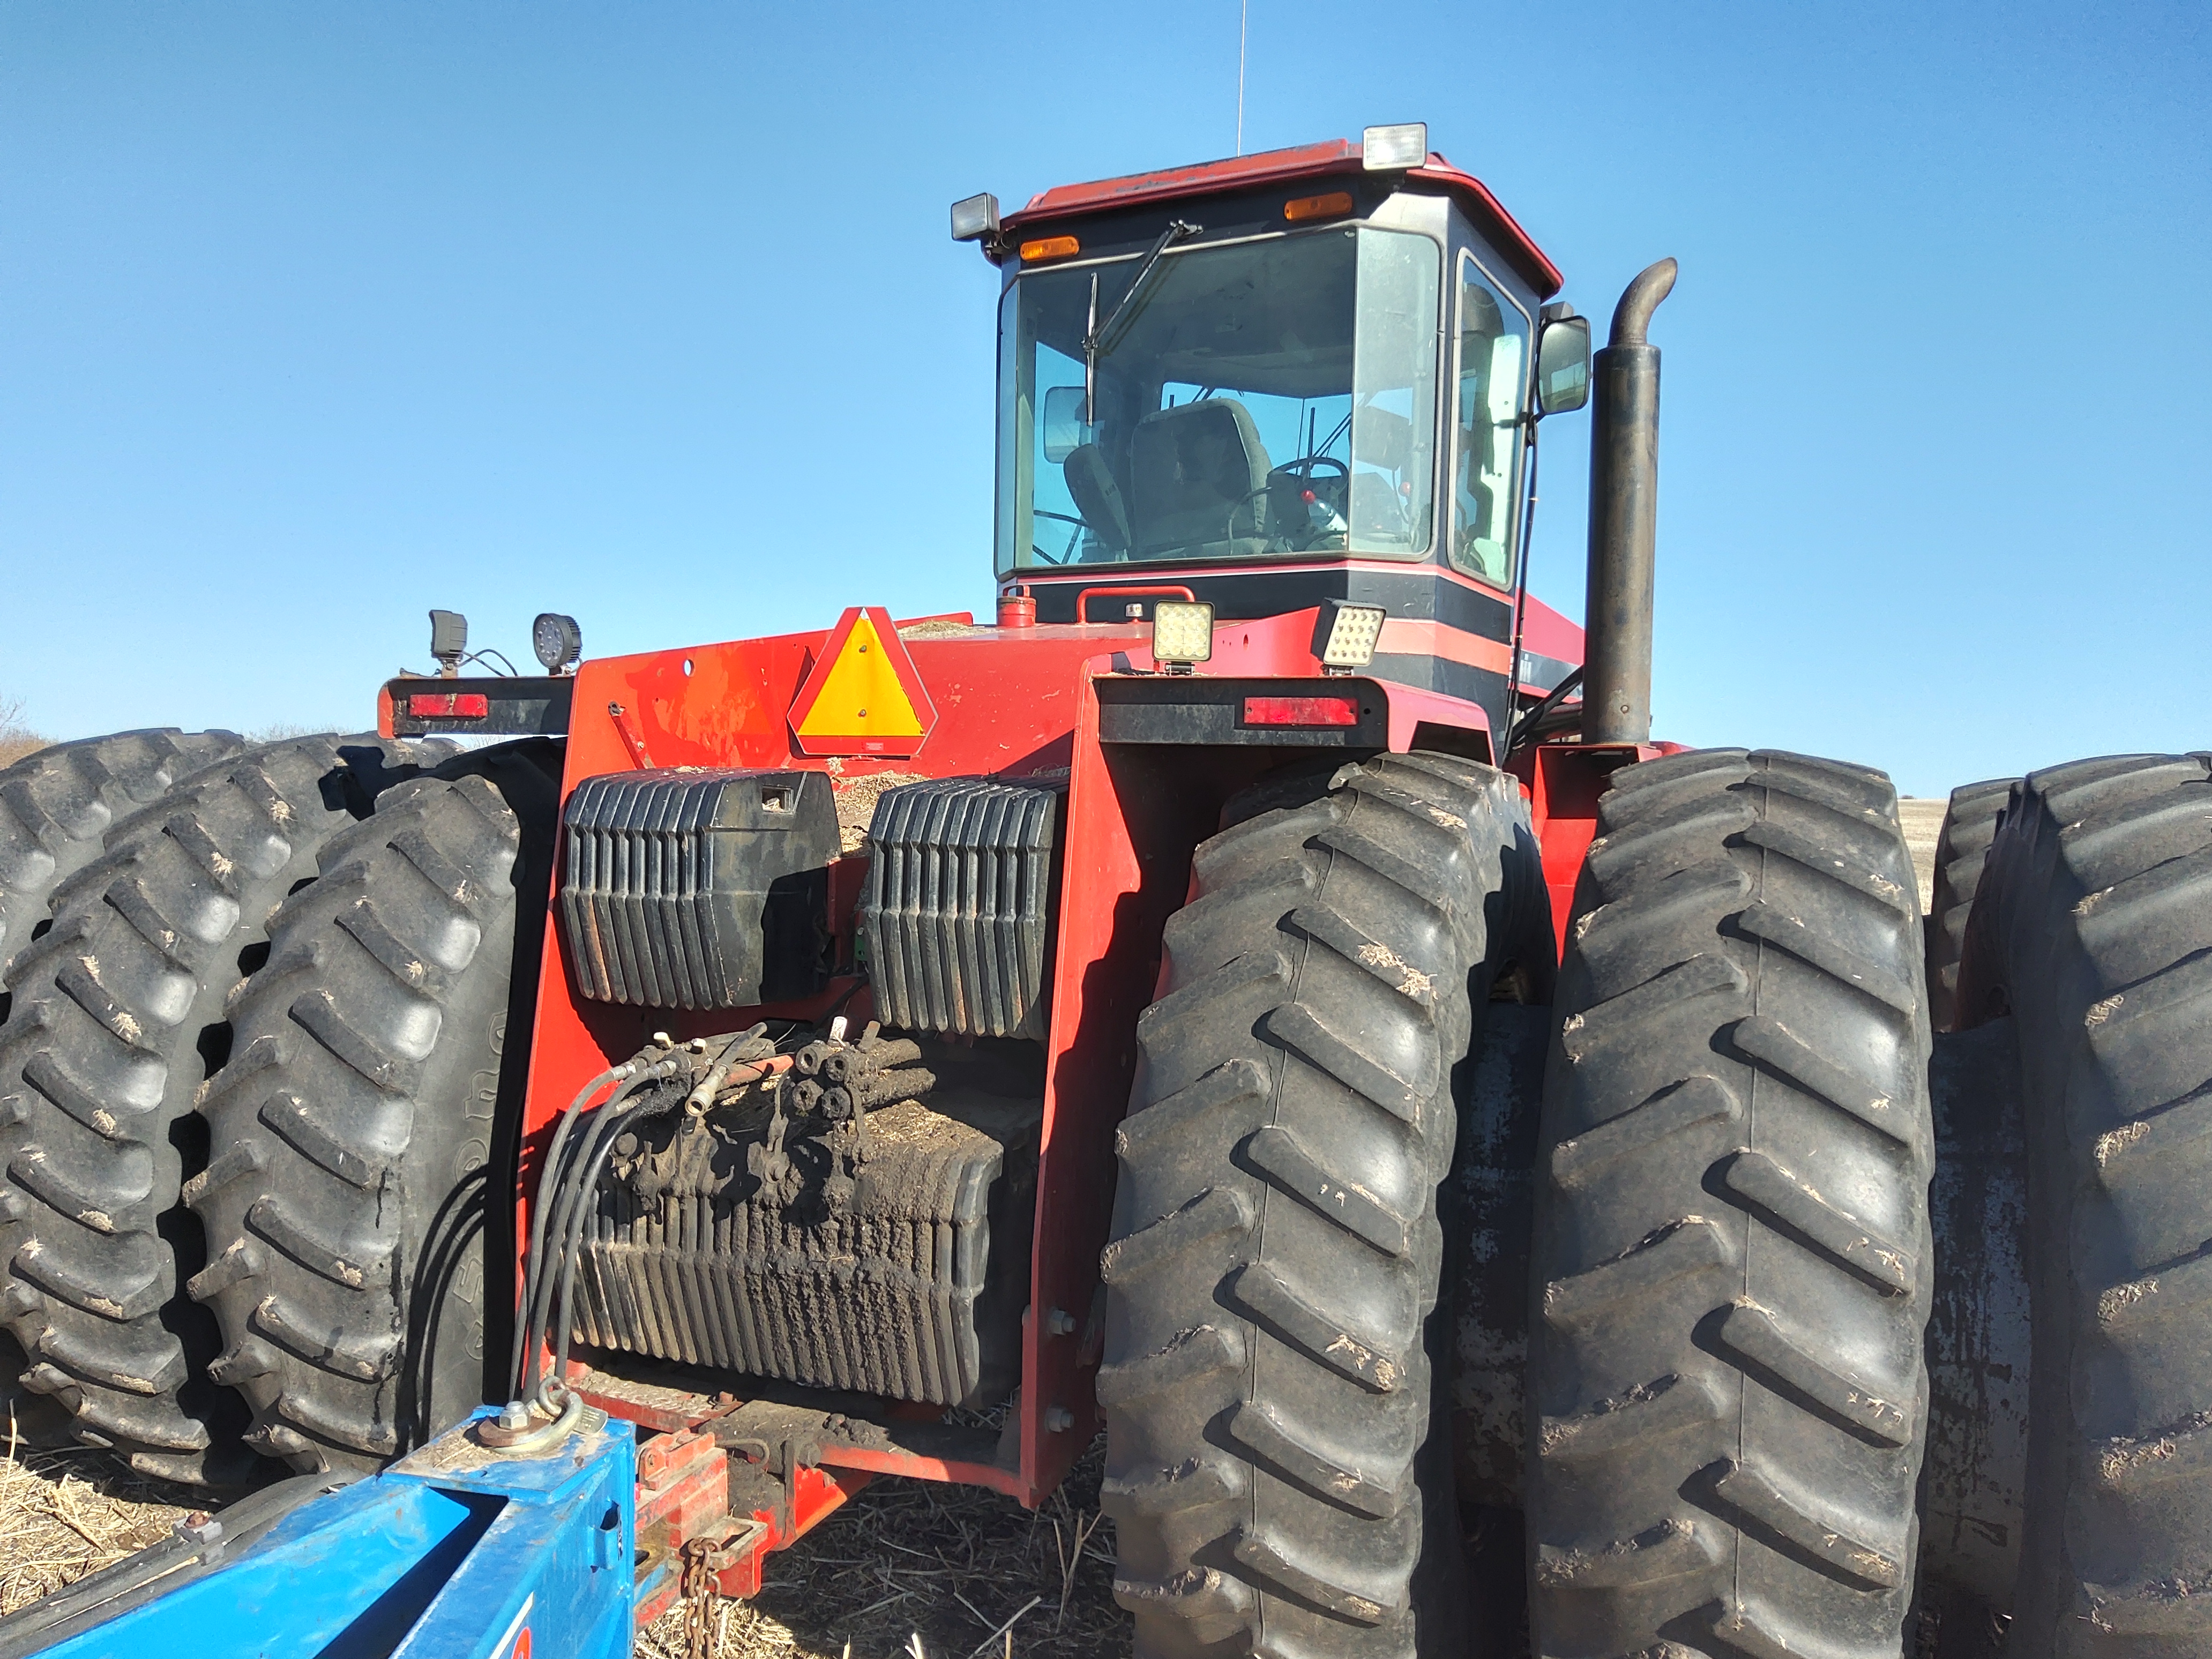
{"x":1244,"y":14}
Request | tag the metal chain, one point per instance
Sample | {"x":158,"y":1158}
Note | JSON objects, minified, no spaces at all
{"x":697,"y":1585}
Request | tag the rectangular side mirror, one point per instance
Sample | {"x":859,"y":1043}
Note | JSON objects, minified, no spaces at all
{"x":1563,"y":365}
{"x":1064,"y":430}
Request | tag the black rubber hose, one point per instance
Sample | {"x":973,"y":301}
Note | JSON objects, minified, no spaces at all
{"x":557,"y":1195}
{"x":530,"y":1260}
{"x":1523,"y":730}
{"x":581,"y":1198}
{"x":560,"y":1155}
{"x":559,"y":1203}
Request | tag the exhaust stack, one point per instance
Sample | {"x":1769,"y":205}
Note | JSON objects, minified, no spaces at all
{"x":1624,"y":509}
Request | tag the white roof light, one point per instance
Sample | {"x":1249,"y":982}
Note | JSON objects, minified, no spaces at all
{"x":975,"y":218}
{"x":1393,"y":150}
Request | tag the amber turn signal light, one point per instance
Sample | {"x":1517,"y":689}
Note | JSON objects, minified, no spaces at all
{"x":1049,"y":247}
{"x":1318,"y":207}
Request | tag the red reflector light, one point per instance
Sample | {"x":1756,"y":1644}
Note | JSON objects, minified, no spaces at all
{"x":1301,"y":711}
{"x":466,"y":705}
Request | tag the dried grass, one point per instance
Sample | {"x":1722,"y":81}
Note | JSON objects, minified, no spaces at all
{"x":65,"y":1514}
{"x":914,"y":1566}
{"x":17,"y":739}
{"x":904,"y":1563}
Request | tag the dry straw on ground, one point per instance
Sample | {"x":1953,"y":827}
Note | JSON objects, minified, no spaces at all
{"x":949,"y":1573}
{"x":65,"y":1514}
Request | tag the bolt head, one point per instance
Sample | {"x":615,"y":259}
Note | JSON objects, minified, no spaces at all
{"x":514,"y":1417}
{"x":199,"y":1528}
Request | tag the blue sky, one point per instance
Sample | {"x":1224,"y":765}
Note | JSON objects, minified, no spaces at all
{"x":312,"y":317}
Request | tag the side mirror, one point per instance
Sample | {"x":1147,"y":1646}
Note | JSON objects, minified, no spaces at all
{"x":1563,"y":365}
{"x":1064,"y":431}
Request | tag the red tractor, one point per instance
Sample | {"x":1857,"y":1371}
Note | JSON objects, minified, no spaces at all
{"x":1239,"y":996}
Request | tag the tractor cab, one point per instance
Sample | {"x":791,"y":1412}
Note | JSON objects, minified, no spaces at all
{"x":1302,"y":374}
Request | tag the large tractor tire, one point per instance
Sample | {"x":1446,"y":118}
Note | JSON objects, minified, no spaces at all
{"x":56,"y":804}
{"x":2095,"y":928}
{"x":1278,"y":1463}
{"x":363,"y":1124}
{"x":118,"y":1019}
{"x":1727,"y":1393}
{"x":1962,"y":846}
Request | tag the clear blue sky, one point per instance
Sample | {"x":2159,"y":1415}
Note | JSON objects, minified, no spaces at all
{"x":313,"y":317}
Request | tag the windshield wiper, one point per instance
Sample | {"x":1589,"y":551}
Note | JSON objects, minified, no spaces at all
{"x":1098,"y":341}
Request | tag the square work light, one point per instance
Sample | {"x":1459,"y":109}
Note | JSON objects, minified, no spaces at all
{"x":1346,"y":635}
{"x":1182,"y":634}
{"x":975,"y":218}
{"x":1394,"y":149}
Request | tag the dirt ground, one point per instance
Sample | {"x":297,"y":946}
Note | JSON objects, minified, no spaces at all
{"x":907,"y":1568}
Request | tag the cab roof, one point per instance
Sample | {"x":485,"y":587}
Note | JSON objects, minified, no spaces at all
{"x":1329,"y":158}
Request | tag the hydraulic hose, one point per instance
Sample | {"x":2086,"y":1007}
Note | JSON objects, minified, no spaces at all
{"x":530,"y":1260}
{"x":554,"y":1196}
{"x":583,"y":1192}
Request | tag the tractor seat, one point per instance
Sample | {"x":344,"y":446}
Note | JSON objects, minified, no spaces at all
{"x":1098,"y":499}
{"x":1197,"y":476}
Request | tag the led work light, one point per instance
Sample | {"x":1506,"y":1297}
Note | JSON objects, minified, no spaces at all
{"x":557,"y":641}
{"x":1393,"y":150}
{"x":1344,"y":635}
{"x":449,"y":640}
{"x":1182,"y":634}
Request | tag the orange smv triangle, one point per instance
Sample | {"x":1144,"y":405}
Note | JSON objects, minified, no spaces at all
{"x":863,"y":697}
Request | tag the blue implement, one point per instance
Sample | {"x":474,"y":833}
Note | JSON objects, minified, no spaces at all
{"x":459,"y":1551}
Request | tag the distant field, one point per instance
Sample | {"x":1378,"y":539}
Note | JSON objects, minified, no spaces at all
{"x":1923,"y":822}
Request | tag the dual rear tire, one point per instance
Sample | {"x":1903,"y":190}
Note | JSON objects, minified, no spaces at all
{"x":2092,"y":928}
{"x":1277,"y":1462}
{"x":201,"y":876}
{"x":1732,"y":1260}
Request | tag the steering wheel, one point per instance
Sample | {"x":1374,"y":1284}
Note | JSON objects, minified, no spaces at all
{"x":1040,"y":513}
{"x":1300,"y":473}
{"x":1304,"y":465}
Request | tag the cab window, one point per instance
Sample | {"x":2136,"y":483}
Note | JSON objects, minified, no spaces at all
{"x":1492,"y":359}
{"x":1268,"y":399}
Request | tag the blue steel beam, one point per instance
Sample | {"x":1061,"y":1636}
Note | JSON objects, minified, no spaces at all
{"x":456,"y":1552}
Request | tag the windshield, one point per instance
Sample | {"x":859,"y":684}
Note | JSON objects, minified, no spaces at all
{"x":1260,"y":399}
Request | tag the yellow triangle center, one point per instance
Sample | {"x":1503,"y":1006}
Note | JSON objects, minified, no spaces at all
{"x":862,"y":696}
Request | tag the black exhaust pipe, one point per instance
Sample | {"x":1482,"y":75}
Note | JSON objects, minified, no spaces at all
{"x":1624,"y":510}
